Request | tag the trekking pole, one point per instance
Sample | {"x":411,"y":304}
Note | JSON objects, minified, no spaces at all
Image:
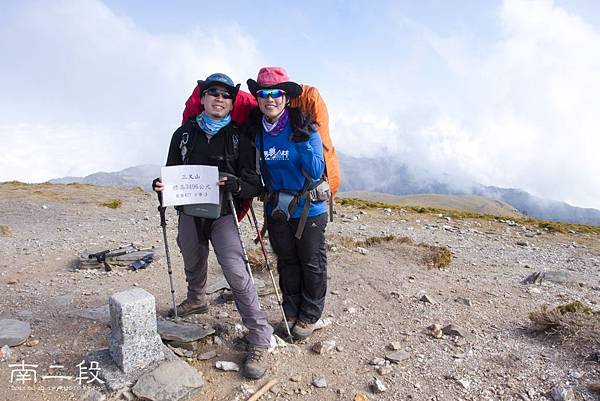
{"x":163,"y":223}
{"x":229,"y":197}
{"x":264,"y":250}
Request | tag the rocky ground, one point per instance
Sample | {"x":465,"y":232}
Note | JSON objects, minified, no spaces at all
{"x":387,"y":302}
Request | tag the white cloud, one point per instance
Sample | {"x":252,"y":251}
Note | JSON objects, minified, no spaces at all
{"x":520,"y":111}
{"x":87,"y":90}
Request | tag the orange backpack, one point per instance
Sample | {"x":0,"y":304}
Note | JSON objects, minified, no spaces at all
{"x":310,"y":101}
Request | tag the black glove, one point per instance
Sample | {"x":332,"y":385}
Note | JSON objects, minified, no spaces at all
{"x":154,"y":181}
{"x":300,"y":136}
{"x":232,"y":184}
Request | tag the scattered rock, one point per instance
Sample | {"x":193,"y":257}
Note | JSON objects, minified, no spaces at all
{"x":398,"y":356}
{"x":426,"y":299}
{"x":320,"y":382}
{"x":436,"y":331}
{"x":465,"y":383}
{"x":207,"y":355}
{"x":323,"y":347}
{"x":377,"y":361}
{"x":361,"y":250}
{"x":227,"y":366}
{"x":361,"y":397}
{"x":522,"y":243}
{"x":384,"y":370}
{"x":594,"y":387}
{"x":296,"y":378}
{"x":92,"y":395}
{"x":172,"y":380}
{"x":182,"y":332}
{"x":32,"y":342}
{"x":559,"y":393}
{"x":395,"y":345}
{"x":464,"y":301}
{"x":377,"y":386}
{"x":322,"y":323}
{"x":13,"y":332}
{"x":5,"y":353}
{"x":453,"y":330}
{"x":184,"y":353}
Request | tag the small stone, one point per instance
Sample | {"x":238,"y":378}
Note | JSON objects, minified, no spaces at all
{"x":464,"y":301}
{"x":12,"y":281}
{"x":522,"y":243}
{"x":92,"y":395}
{"x":296,"y":378}
{"x":594,"y":387}
{"x":5,"y":353}
{"x":323,"y":347}
{"x":384,"y":370}
{"x":361,"y":250}
{"x":222,"y":315}
{"x":395,"y":345}
{"x":361,"y":397}
{"x":227,"y":366}
{"x":559,"y":393}
{"x":32,"y":343}
{"x":398,"y":356}
{"x":377,"y":386}
{"x":351,"y":310}
{"x":436,"y":331}
{"x":207,"y":355}
{"x":13,"y":332}
{"x":377,"y":361}
{"x":426,"y":299}
{"x":465,"y":383}
{"x":320,"y":382}
{"x":453,"y":330}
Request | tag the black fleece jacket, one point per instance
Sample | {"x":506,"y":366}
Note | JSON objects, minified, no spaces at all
{"x":220,"y":151}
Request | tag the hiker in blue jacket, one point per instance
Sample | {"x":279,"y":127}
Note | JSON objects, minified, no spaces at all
{"x":292,"y":167}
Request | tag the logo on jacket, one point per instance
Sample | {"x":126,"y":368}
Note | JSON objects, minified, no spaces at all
{"x":273,"y":154}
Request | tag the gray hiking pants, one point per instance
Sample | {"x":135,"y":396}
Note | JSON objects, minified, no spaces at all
{"x":228,"y":250}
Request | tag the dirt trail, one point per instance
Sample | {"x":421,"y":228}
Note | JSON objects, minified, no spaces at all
{"x":377,"y":295}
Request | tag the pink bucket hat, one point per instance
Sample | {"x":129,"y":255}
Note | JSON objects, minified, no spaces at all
{"x":274,"y":78}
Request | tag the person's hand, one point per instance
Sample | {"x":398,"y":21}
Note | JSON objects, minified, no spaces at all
{"x":300,"y":136}
{"x":230,"y":184}
{"x":157,"y":185}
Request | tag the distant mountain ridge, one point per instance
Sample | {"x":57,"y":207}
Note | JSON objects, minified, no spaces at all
{"x":385,"y":175}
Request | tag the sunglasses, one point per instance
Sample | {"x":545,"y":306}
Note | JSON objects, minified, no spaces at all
{"x":214,"y":92}
{"x":274,"y":93}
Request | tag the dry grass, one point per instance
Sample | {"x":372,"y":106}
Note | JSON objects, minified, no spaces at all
{"x":550,"y":226}
{"x":112,"y":203}
{"x":257,"y":260}
{"x":5,"y":231}
{"x":438,"y":257}
{"x":573,"y":323}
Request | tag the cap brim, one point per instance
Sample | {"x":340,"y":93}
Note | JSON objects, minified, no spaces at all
{"x":204,"y":85}
{"x":292,"y":89}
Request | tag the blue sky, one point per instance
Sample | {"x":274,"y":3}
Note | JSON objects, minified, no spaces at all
{"x":499,"y":92}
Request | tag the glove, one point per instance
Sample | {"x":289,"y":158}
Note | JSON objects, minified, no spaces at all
{"x":232,"y":184}
{"x":300,"y":136}
{"x":154,"y":183}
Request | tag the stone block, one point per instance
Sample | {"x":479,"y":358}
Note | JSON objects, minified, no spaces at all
{"x":134,"y":342}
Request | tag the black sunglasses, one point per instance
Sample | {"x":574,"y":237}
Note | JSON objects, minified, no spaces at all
{"x":214,"y":92}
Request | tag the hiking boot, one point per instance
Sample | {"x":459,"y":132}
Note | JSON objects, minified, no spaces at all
{"x":303,"y":330}
{"x":255,"y":364}
{"x":281,"y":330}
{"x":186,"y":308}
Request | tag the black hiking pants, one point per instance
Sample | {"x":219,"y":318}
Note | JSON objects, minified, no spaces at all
{"x":302,"y":266}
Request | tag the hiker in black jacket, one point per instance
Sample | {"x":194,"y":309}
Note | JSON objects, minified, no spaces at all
{"x":213,"y":139}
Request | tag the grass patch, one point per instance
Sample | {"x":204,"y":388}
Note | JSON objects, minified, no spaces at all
{"x":550,"y":226}
{"x":5,"y":231}
{"x":257,"y":260}
{"x":438,"y":257}
{"x":573,"y":322}
{"x":112,"y":203}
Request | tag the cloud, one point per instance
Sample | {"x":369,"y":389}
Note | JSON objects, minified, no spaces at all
{"x":520,"y":111}
{"x":85,"y":89}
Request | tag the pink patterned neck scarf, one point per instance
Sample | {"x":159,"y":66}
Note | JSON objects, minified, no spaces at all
{"x":278,"y":126}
